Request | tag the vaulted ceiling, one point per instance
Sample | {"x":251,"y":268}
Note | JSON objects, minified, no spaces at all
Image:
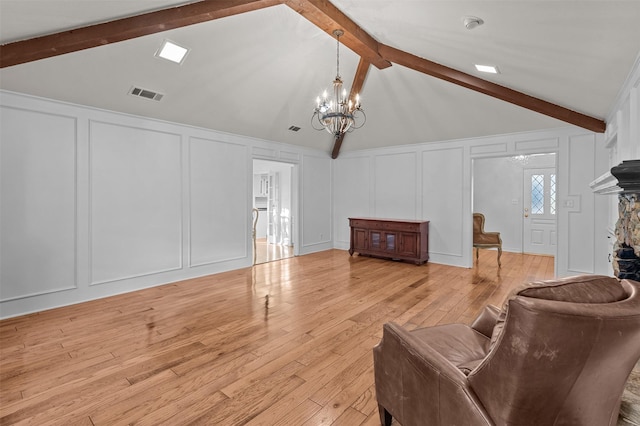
{"x":255,"y":67}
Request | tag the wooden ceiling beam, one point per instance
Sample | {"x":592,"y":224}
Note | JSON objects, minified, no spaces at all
{"x":328,"y":18}
{"x":47,"y":46}
{"x":356,"y":88}
{"x":492,"y":89}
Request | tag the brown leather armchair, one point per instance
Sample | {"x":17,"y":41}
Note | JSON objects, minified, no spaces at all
{"x":557,"y":353}
{"x":482,"y":239}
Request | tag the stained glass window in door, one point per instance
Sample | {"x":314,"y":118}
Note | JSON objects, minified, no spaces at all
{"x":552,"y":194}
{"x":537,"y":194}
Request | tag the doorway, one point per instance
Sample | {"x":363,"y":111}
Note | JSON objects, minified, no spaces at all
{"x":523,"y":212}
{"x":274,"y":202}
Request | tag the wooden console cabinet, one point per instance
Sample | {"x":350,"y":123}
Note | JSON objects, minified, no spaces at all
{"x":390,"y":238}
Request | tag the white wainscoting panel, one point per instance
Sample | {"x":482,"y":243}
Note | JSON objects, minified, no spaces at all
{"x":218,"y":206}
{"x":351,"y":194}
{"x":316,"y":203}
{"x":395,"y":183}
{"x":38,"y":203}
{"x":580,"y":204}
{"x":136,"y":196}
{"x":443,"y":194}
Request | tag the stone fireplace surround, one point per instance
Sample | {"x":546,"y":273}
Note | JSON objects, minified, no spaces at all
{"x":626,"y":249}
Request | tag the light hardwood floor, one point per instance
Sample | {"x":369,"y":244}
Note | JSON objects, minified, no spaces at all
{"x":270,"y":252}
{"x":282,"y":343}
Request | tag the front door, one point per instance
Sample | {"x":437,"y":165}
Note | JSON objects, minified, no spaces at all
{"x":539,"y":214}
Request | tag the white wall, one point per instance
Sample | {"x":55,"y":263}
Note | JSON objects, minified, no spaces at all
{"x":433,"y":181}
{"x":95,"y":203}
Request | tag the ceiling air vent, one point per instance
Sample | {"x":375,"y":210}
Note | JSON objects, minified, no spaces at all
{"x":294,"y":128}
{"x":144,"y":93}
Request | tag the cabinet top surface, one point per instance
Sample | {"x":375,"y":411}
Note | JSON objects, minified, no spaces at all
{"x":381,"y":219}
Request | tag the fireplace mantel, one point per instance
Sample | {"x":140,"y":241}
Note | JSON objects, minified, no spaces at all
{"x":605,"y":184}
{"x":621,"y":179}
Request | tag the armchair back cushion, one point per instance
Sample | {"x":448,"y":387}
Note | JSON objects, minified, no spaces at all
{"x":480,"y":237}
{"x":555,"y":344}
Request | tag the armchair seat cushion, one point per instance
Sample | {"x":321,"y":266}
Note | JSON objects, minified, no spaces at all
{"x":460,"y":344}
{"x":487,"y":239}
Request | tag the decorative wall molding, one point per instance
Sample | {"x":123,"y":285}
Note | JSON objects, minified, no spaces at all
{"x":500,"y":148}
{"x":126,"y":143}
{"x":53,"y":194}
{"x":550,"y":144}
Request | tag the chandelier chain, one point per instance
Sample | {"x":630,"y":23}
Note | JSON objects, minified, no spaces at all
{"x":338,"y":53}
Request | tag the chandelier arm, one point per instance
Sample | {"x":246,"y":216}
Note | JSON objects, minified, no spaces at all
{"x":357,"y":113}
{"x":314,"y":117}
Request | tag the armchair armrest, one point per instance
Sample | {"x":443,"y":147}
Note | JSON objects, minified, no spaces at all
{"x":410,"y":375}
{"x":418,"y":353}
{"x":486,"y":320}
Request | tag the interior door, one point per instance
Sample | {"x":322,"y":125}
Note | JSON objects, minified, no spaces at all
{"x":539,"y":213}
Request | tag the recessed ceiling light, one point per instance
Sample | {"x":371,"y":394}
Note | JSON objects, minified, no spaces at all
{"x":488,"y":68}
{"x":172,"y":52}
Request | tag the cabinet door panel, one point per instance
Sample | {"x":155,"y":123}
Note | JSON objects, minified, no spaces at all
{"x":359,"y":239}
{"x":410,"y":244}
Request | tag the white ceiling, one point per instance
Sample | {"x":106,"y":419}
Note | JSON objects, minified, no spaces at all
{"x":258,"y":73}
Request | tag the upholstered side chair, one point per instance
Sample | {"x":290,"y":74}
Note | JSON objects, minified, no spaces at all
{"x":482,"y":239}
{"x":557,"y":353}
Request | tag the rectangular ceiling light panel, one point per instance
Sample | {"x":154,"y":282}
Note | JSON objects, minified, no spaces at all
{"x":488,"y":68}
{"x":172,"y":52}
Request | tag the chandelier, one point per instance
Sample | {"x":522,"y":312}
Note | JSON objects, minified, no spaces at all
{"x":337,"y":114}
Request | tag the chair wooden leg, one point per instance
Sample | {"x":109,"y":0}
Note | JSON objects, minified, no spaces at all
{"x":499,"y":255}
{"x":385,"y":416}
{"x":477,"y":251}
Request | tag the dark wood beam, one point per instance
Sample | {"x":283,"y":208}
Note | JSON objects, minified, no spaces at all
{"x":356,"y":88}
{"x":20,"y":52}
{"x":492,"y":89}
{"x":328,"y":18}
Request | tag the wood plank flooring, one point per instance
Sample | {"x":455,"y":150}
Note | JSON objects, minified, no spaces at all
{"x":282,"y":343}
{"x":270,"y":252}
